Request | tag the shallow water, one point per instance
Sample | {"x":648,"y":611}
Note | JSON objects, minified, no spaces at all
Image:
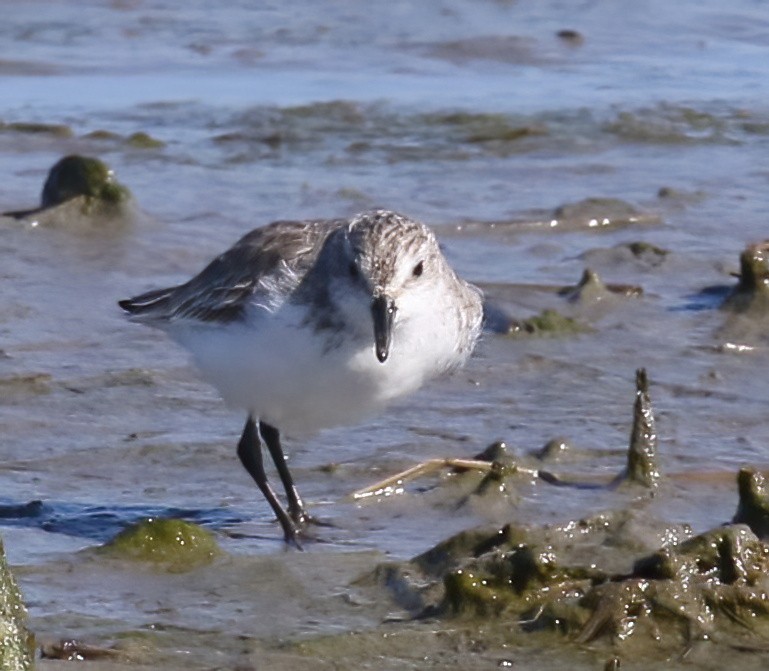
{"x":472,"y":116}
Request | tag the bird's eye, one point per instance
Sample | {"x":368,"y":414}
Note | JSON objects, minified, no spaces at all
{"x":353,"y":269}
{"x":417,"y":272}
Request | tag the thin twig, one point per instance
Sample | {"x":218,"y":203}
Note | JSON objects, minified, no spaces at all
{"x":425,"y":468}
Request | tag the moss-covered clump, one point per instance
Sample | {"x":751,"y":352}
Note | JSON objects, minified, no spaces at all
{"x":484,"y":128}
{"x":78,"y":189}
{"x":707,"y":587}
{"x":689,"y":590}
{"x":75,"y":175}
{"x":142,"y":140}
{"x":35,"y":128}
{"x":15,"y":641}
{"x":171,"y":544}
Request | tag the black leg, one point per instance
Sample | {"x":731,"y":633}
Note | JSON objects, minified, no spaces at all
{"x":295,"y":506}
{"x":250,"y":453}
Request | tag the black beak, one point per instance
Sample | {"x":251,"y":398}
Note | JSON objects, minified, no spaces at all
{"x":383,"y":312}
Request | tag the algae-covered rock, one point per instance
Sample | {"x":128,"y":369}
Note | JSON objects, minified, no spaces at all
{"x":171,"y":544}
{"x":15,"y":648}
{"x":76,"y":186}
{"x":81,"y":176}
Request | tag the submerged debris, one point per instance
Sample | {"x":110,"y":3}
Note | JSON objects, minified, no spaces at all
{"x":638,"y":254}
{"x":547,"y":323}
{"x":598,"y":213}
{"x":593,"y":214}
{"x":668,"y":124}
{"x":570,"y":36}
{"x":71,"y":650}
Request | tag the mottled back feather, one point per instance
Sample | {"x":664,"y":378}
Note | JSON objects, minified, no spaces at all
{"x":249,"y":271}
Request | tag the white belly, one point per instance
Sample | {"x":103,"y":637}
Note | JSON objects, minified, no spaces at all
{"x":290,"y":377}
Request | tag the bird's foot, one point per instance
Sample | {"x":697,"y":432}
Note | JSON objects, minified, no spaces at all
{"x":303,"y":519}
{"x":291,"y":534}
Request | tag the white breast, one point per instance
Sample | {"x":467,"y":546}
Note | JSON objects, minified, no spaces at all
{"x":285,"y":372}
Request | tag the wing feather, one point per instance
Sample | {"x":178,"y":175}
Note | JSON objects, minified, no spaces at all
{"x":257,"y":268}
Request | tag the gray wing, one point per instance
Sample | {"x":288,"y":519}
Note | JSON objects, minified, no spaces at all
{"x":223,"y":289}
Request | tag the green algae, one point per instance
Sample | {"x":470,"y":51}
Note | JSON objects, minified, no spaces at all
{"x":75,"y":175}
{"x":498,"y":133}
{"x":15,"y":640}
{"x":101,"y":134}
{"x":549,"y":323}
{"x":35,"y":128}
{"x":142,"y":140}
{"x":138,"y":140}
{"x":344,"y":111}
{"x":711,"y":585}
{"x":23,"y":384}
{"x":669,"y":125}
{"x":171,"y":544}
{"x":78,"y":189}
